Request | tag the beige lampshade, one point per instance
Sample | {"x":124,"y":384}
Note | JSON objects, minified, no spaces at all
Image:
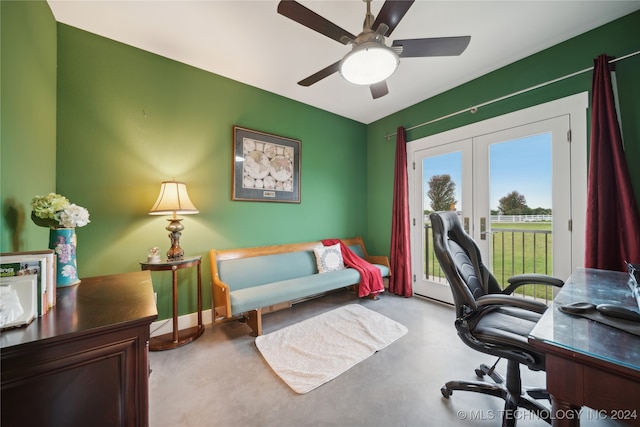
{"x":173,"y":199}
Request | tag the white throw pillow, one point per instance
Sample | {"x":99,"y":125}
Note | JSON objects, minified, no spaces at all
{"x":329,"y":258}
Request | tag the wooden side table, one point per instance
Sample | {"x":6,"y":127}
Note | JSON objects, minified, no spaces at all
{"x":177,"y":338}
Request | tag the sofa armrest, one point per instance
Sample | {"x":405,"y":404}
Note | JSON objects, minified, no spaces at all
{"x":373,"y":259}
{"x":379,"y":259}
{"x":221,"y":299}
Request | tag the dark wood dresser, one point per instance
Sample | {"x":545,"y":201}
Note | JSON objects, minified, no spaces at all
{"x":84,"y":363}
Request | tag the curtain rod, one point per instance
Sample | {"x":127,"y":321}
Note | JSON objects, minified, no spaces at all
{"x":474,"y":109}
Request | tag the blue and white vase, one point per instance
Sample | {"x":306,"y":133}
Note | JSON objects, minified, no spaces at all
{"x":63,"y":243}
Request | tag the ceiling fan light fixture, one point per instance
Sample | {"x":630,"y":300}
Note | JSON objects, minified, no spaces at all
{"x":369,"y":63}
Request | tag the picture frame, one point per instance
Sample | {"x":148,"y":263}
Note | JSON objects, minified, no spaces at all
{"x":19,"y":295}
{"x":266,"y":167}
{"x":41,"y":264}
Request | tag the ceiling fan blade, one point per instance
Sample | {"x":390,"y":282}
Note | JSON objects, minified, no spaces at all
{"x":379,"y":89}
{"x":437,"y":46}
{"x":391,"y":13}
{"x":325,"y":72}
{"x":302,"y":15}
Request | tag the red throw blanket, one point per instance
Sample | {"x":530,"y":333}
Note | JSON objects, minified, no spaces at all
{"x":370,"y":276}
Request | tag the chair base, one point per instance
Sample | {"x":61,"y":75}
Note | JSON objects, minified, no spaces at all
{"x":483,"y":370}
{"x":514,"y":399}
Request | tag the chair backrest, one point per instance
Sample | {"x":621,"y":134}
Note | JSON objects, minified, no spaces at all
{"x":460,"y":259}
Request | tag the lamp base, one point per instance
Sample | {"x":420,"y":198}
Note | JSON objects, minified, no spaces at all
{"x":175,"y":252}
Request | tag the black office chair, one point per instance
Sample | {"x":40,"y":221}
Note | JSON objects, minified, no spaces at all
{"x":491,"y":320}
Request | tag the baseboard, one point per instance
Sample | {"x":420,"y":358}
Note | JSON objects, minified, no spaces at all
{"x":165,"y":326}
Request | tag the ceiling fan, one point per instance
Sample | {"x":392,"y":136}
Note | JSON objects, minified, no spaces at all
{"x":371,"y":61}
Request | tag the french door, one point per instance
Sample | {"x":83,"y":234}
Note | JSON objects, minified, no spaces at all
{"x":448,"y":164}
{"x":477,"y":170}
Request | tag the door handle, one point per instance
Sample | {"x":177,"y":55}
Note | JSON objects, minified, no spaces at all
{"x":483,"y":229}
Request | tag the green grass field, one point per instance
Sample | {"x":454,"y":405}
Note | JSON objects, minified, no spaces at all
{"x":516,"y":248}
{"x":546,"y":226}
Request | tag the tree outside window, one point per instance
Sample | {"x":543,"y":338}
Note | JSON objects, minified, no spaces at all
{"x":513,"y":203}
{"x":442,"y":193}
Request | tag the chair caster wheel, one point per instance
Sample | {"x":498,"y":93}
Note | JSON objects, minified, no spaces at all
{"x":446,"y":392}
{"x":479,"y":373}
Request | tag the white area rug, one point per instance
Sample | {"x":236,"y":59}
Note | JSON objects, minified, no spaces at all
{"x":310,"y":353}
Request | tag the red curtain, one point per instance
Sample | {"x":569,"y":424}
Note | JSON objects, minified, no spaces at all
{"x":613,"y":222}
{"x":400,"y":282}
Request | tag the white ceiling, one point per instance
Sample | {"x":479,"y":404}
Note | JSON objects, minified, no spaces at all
{"x":250,"y":42}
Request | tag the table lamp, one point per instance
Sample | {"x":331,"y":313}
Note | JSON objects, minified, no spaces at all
{"x":174,"y":200}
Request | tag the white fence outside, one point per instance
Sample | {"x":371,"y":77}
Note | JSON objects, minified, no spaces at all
{"x":520,"y":218}
{"x":511,"y":218}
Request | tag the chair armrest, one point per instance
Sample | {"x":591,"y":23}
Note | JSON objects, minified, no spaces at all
{"x":511,"y":301}
{"x":531,"y":279}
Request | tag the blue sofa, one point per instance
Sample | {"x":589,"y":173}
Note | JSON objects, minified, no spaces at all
{"x":251,"y":281}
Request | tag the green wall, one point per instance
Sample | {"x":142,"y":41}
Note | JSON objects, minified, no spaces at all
{"x":27,"y":119}
{"x":129,"y":119}
{"x":615,"y":39}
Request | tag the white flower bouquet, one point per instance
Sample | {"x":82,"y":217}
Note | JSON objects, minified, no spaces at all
{"x":56,"y":211}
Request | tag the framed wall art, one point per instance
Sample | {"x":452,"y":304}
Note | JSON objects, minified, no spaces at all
{"x":266,"y":168}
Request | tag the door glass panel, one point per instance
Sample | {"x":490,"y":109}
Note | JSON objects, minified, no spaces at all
{"x":442,"y":185}
{"x":444,"y":173}
{"x":520,"y":192}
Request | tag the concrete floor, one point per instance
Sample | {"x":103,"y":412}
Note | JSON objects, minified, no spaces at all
{"x":222,"y":380}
